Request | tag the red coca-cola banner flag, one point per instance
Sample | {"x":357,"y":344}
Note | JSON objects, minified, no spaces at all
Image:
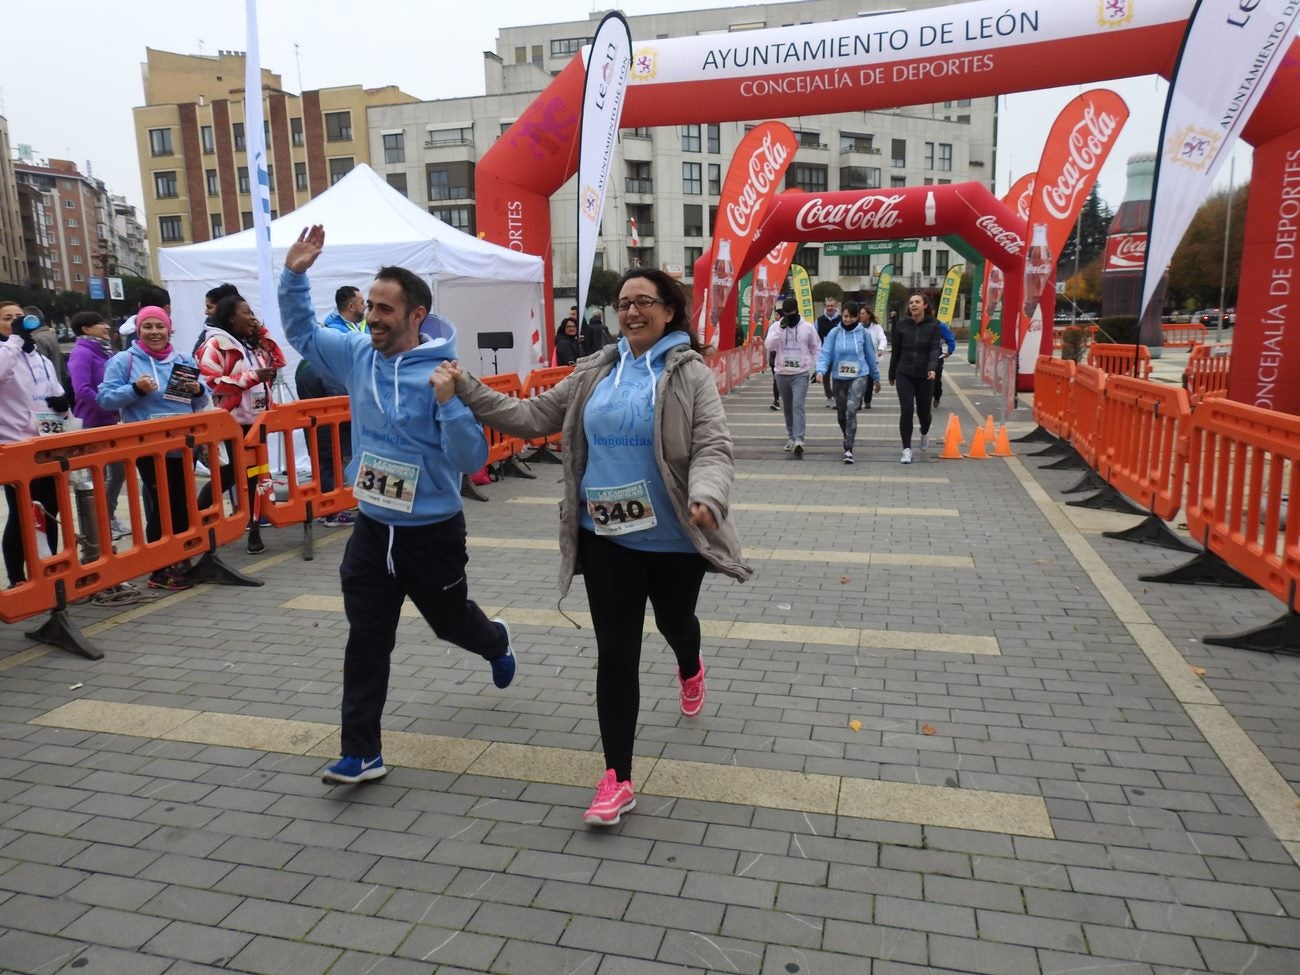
{"x":1018,"y":199}
{"x":1125,"y":252}
{"x":1076,"y":148}
{"x":753,"y":178}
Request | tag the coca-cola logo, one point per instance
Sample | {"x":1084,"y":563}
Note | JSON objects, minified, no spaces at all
{"x":1008,"y":240}
{"x":1126,"y":251}
{"x":1088,"y":144}
{"x":865,"y":213}
{"x":765,"y":167}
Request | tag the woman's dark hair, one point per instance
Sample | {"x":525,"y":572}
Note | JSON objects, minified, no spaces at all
{"x":560,"y":328}
{"x":851,"y":308}
{"x":929,"y":303}
{"x":226,"y":309}
{"x":864,"y":311}
{"x":83,"y":320}
{"x":671,"y":294}
{"x":221,"y":291}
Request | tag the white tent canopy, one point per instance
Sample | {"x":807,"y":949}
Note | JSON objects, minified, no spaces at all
{"x":478,"y":286}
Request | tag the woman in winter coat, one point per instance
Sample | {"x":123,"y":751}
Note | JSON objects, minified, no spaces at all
{"x":796,"y":346}
{"x":648,"y":466}
{"x":138,"y":386}
{"x":86,"y":362}
{"x":912,"y":367}
{"x":238,"y":361}
{"x":567,"y":348}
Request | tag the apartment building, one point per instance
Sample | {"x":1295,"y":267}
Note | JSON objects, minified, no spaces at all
{"x":668,"y":179}
{"x":191,"y":143}
{"x":13,"y":248}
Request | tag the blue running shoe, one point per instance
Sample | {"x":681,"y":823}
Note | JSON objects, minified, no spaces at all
{"x":351,"y":769}
{"x":503,"y":668}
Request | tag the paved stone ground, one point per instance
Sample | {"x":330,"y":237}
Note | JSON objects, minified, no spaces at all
{"x":1170,"y":793}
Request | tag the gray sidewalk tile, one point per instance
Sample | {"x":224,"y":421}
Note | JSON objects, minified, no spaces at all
{"x":111,"y":961}
{"x":117,"y":929}
{"x":273,"y":956}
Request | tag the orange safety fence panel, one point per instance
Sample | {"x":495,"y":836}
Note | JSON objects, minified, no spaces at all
{"x":539,"y":381}
{"x":1117,"y":359}
{"x":1143,"y":436}
{"x":502,"y":446}
{"x":73,"y":468}
{"x":1207,"y":372}
{"x":1087,"y":404}
{"x":327,"y":414}
{"x":1243,"y":469}
{"x":1052,"y":379}
{"x":1183,"y":336}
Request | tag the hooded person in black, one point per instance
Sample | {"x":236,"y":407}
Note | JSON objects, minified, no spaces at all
{"x":827,"y":320}
{"x":913,"y":364}
{"x":567,"y":343}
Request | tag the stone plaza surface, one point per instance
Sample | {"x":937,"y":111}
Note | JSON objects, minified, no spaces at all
{"x":948,"y":730}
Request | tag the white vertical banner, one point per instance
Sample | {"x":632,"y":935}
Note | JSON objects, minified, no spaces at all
{"x":259,"y":180}
{"x":1229,"y":55}
{"x":608,"y":60}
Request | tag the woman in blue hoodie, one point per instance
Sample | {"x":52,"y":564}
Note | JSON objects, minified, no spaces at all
{"x":137,"y":384}
{"x":848,"y":357}
{"x":648,"y":466}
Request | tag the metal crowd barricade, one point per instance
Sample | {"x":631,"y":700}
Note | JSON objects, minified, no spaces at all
{"x":77,"y":462}
{"x":1243,"y":467}
{"x":1207,"y":372}
{"x":307,"y":499}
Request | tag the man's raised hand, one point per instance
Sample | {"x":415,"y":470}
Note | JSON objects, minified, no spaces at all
{"x":304,"y":251}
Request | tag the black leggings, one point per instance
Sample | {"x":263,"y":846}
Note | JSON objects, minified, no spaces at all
{"x":43,"y":490}
{"x":177,"y":502}
{"x":619,"y":580}
{"x":913,"y":394}
{"x":226,"y":474}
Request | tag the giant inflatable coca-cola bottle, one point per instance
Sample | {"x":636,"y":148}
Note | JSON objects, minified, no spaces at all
{"x":1126,"y":248}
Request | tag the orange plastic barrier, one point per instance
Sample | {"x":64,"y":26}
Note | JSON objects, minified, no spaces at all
{"x":539,"y":381}
{"x":86,"y":562}
{"x":718,"y":364}
{"x":1243,"y":463}
{"x":1086,"y":405}
{"x":1183,"y":336}
{"x":1117,"y":360}
{"x":307,"y":499}
{"x":1207,"y":372}
{"x":502,"y":446}
{"x":1144,"y":430}
{"x":1052,"y":381}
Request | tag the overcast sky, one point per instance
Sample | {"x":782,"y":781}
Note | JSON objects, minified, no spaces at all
{"x":72,"y":76}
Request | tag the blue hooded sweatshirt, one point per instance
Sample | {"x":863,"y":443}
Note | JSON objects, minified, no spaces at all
{"x":949,"y":339}
{"x":618,"y":419}
{"x":117,"y":391}
{"x":340,"y":324}
{"x":397,"y":423}
{"x":848,"y":345}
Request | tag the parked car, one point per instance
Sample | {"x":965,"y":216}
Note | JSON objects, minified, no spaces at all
{"x":1229,"y":318}
{"x":1209,"y":317}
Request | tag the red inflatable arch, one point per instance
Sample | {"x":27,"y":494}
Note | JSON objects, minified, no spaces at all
{"x":899,"y":58}
{"x":965,"y":210}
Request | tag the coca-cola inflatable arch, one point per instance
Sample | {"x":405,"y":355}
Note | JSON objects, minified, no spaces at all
{"x":896,"y":58}
{"x":964,"y":210}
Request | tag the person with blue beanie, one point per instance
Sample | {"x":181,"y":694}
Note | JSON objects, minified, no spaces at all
{"x":411,"y":448}
{"x":648,"y":465}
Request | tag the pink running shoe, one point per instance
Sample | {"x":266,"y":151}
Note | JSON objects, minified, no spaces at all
{"x":692,"y":692}
{"x":613,"y":798}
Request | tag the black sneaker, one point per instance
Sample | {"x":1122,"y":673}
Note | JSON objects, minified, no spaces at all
{"x":775,"y":406}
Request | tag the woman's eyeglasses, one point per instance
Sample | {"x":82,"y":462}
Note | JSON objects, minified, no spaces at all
{"x":643,"y":302}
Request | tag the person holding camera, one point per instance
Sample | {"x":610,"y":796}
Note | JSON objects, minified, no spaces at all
{"x":29,"y":387}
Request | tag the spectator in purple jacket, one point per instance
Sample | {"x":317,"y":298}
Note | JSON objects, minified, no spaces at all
{"x":86,"y":371}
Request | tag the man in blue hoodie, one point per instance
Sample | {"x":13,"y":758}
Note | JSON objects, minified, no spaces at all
{"x":349,"y":314}
{"x":410,"y":452}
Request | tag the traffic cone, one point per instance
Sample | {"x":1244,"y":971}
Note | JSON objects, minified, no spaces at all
{"x":1003,"y":446}
{"x":952,"y":439}
{"x":990,"y":431}
{"x":977,"y":448}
